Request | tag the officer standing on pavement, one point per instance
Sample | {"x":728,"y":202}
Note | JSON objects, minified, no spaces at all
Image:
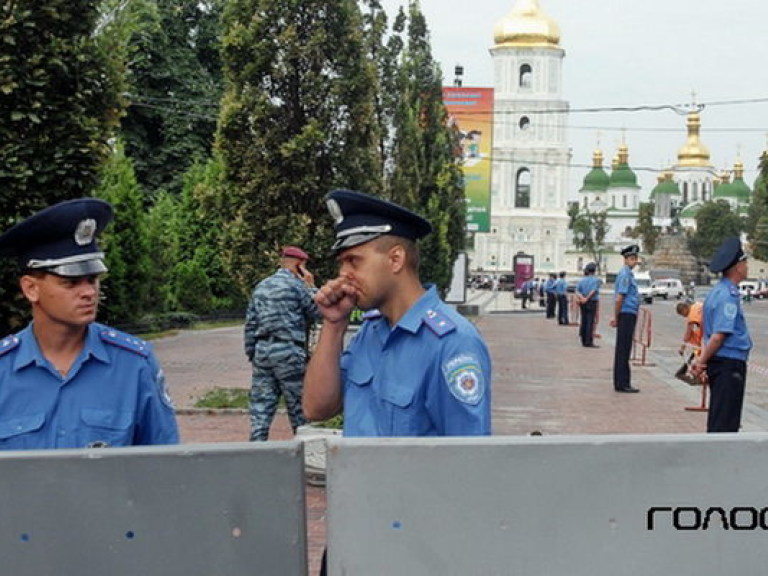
{"x":588,"y":290}
{"x":626,"y":307}
{"x":280,"y":312}
{"x":65,"y":380}
{"x":549,"y":291}
{"x":723,"y":360}
{"x":561,"y":292}
{"x":415,"y":367}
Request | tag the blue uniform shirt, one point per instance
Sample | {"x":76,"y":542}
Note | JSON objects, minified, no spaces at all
{"x":723,"y":313}
{"x":626,"y":285}
{"x":560,"y":287}
{"x":549,"y":286}
{"x":587,"y":284}
{"x":429,"y":375}
{"x":113,"y":395}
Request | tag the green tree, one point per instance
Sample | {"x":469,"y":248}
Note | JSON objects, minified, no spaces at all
{"x":163,"y":232}
{"x":59,"y":102}
{"x":199,"y":228}
{"x":426,"y":175}
{"x":175,"y":88}
{"x":589,"y":231}
{"x":645,"y":230}
{"x":757,"y":220}
{"x":715,"y":221}
{"x":297,"y":120}
{"x":125,"y":242}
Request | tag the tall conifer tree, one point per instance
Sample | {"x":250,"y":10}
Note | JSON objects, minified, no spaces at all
{"x":59,"y":103}
{"x":297,"y":120}
{"x":426,"y":175}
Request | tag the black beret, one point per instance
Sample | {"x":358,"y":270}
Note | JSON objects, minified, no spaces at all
{"x":60,"y":239}
{"x":359,"y":218}
{"x":590,"y":268}
{"x":727,"y":255}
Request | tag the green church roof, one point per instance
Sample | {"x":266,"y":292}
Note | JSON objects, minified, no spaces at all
{"x":623,"y":177}
{"x":596,"y":181}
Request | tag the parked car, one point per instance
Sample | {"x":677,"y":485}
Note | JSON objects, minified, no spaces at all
{"x":507,"y":282}
{"x":668,"y":288}
{"x":645,"y":287}
{"x":749,"y":289}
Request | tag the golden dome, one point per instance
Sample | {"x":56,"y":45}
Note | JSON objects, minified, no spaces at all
{"x":597,"y":158}
{"x":694,"y":153}
{"x":527,"y":25}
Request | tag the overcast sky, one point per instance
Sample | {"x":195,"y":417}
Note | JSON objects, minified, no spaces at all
{"x":632,"y":53}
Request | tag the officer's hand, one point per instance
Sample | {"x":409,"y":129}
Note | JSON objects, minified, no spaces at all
{"x":336,"y":299}
{"x":612,"y":323}
{"x":307,"y":276}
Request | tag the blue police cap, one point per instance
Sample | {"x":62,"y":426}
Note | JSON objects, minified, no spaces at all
{"x":360,"y":218}
{"x":60,"y":239}
{"x":727,"y":255}
{"x":631,"y":250}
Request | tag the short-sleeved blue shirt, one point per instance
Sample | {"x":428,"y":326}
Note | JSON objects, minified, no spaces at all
{"x":560,"y":287}
{"x":587,"y":284}
{"x":627,"y":285}
{"x":113,"y":395}
{"x":723,"y":313}
{"x":429,"y":375}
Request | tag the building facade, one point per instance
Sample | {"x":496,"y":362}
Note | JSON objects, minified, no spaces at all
{"x":531,"y":156}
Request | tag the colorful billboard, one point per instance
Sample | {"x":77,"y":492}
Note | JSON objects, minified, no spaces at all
{"x":470,"y":110}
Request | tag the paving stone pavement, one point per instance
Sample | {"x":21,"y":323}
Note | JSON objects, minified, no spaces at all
{"x":544,"y":381}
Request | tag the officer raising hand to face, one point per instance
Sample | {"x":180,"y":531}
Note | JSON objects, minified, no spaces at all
{"x":415,"y":366}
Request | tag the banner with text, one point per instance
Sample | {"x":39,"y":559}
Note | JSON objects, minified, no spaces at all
{"x":470,"y":110}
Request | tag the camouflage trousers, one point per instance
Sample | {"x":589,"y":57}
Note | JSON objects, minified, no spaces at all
{"x":278,"y":370}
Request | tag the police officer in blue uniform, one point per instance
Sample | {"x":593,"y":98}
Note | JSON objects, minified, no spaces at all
{"x":280,"y":312}
{"x":561,"y":293}
{"x":626,"y":307}
{"x":588,"y":289}
{"x":65,"y":380}
{"x":416,"y":367}
{"x":723,"y":360}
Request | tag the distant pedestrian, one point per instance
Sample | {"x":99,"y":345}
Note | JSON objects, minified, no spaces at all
{"x":540,"y":291}
{"x":588,"y":293}
{"x":561,"y":292}
{"x":626,"y":307}
{"x":525,"y":292}
{"x":723,"y":361}
{"x":281,"y":309}
{"x":549,"y":291}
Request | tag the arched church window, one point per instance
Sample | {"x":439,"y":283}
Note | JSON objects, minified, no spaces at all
{"x":526,"y":73}
{"x":523,"y":188}
{"x":525,"y":123}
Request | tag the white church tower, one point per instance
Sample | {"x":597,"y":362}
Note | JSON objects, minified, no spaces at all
{"x":529,"y":182}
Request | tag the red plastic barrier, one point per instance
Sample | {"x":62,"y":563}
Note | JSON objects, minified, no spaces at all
{"x":641,"y":339}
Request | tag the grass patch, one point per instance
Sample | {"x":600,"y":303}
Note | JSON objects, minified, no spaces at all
{"x":224,"y":398}
{"x":335,"y":422}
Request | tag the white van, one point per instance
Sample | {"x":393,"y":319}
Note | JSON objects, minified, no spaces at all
{"x":645,"y":287}
{"x":669,"y":288}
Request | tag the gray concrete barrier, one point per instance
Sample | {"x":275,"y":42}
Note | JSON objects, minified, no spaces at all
{"x":191,"y":510}
{"x":549,"y":506}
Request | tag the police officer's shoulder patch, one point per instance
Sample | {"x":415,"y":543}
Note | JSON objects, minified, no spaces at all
{"x":465,"y":378}
{"x":438,"y":322}
{"x":8,"y":343}
{"x":124,"y":341}
{"x":730,"y":310}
